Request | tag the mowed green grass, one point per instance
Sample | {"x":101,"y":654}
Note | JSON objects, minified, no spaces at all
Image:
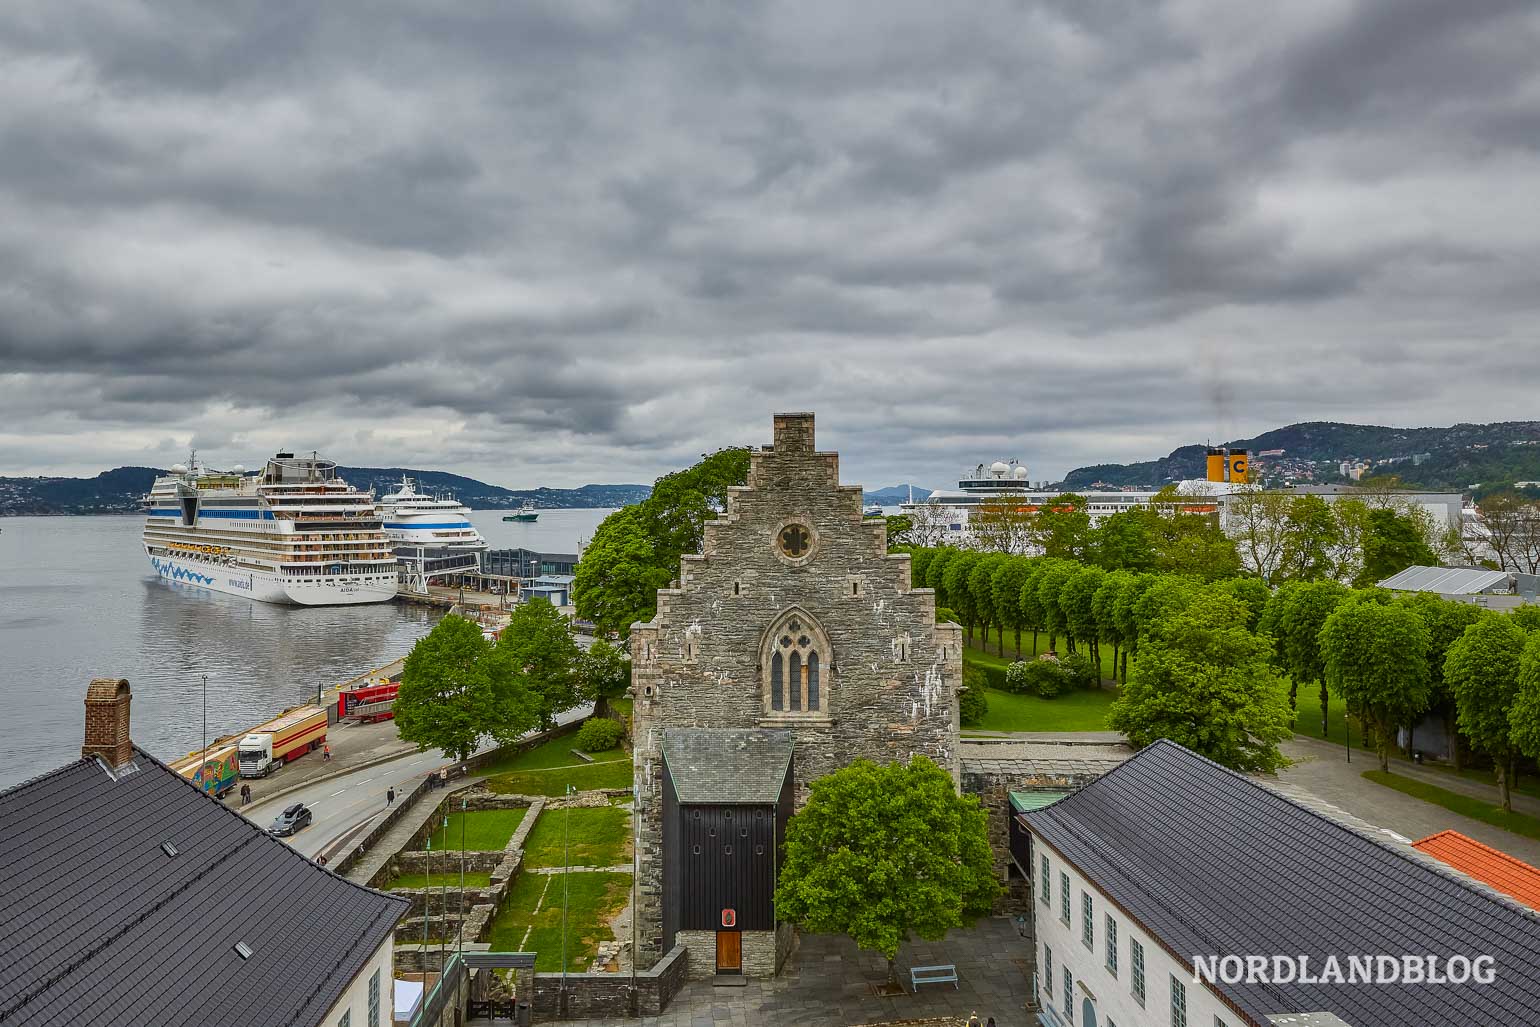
{"x":1465,"y":805}
{"x":1080,"y":710}
{"x":549,"y":768}
{"x":484,"y":830}
{"x":449,"y":878}
{"x":531,"y":917}
{"x":581,"y":837}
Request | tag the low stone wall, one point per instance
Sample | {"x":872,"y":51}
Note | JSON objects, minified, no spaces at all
{"x":763,"y":952}
{"x":992,"y":770}
{"x":415,"y":861}
{"x":582,"y":996}
{"x":444,"y":903}
{"x":524,"y":745}
{"x":478,"y":798}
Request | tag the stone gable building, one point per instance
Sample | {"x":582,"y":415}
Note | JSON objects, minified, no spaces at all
{"x":791,"y":645}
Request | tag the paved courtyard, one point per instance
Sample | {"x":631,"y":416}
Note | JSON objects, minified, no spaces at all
{"x":829,"y":981}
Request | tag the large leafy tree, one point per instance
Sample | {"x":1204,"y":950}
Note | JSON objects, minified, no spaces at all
{"x":1204,"y":681}
{"x":604,"y":670}
{"x":955,"y":592}
{"x":1007,"y":580}
{"x":635,"y":551}
{"x":1524,"y":717}
{"x":1303,"y":618}
{"x":1063,"y":529}
{"x":1050,"y":586}
{"x":1251,"y":591}
{"x":1392,"y":542}
{"x":886,"y":853}
{"x":537,"y":651}
{"x":1125,"y":541}
{"x":1446,"y":621}
{"x":620,"y":573}
{"x":1104,"y":608}
{"x":1482,"y":669}
{"x":1311,"y":533}
{"x":1376,"y":658}
{"x":452,"y":693}
{"x":1029,"y":604}
{"x":1259,"y":523}
{"x":1078,"y":598}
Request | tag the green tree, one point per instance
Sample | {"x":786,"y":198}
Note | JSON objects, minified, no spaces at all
{"x":1303,"y":619}
{"x":935,"y":572}
{"x":604,"y":670}
{"x":899,"y":526}
{"x":1527,"y":617}
{"x":1392,"y":543}
{"x":1078,"y":598}
{"x":1050,"y":583}
{"x":1482,"y":669}
{"x":618,"y":578}
{"x":885,"y":853}
{"x":981,"y":589}
{"x":1311,"y":532}
{"x":1446,"y":621}
{"x":1007,"y":581}
{"x":1124,"y":542}
{"x":1376,"y":657}
{"x":1063,"y":529}
{"x":682,"y":502}
{"x":451,"y":695}
{"x":537,"y":651}
{"x":1524,"y":717}
{"x":919,"y":562}
{"x":1251,"y":591}
{"x":955,"y":591}
{"x":1188,"y":538}
{"x":1104,"y":608}
{"x":1029,"y":605}
{"x":1125,"y":613}
{"x":1202,"y":680}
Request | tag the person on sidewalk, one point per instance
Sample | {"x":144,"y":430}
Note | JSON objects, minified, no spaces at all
{"x":390,"y":797}
{"x":443,"y":777}
{"x":326,"y":753}
{"x":245,"y":795}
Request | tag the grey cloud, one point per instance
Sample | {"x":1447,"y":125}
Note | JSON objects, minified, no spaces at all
{"x":577,"y":242}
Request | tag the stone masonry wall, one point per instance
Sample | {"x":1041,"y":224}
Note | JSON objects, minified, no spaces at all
{"x":890,"y":681}
{"x":764,"y":952}
{"x":592,"y":995}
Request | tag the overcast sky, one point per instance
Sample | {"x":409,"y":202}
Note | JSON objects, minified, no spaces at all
{"x":572,"y":242}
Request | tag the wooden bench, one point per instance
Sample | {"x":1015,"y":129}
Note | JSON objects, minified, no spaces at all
{"x":919,"y":975}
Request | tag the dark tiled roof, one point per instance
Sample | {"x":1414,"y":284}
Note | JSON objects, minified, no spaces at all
{"x":1211,"y":862}
{"x":711,"y":765}
{"x":100,"y":926}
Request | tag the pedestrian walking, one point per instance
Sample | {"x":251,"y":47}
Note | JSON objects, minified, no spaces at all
{"x":443,"y":777}
{"x":973,"y":1020}
{"x":326,"y":753}
{"x":390,"y":796}
{"x":245,"y":795}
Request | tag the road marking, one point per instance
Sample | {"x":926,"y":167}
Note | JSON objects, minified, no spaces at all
{"x":338,"y":792}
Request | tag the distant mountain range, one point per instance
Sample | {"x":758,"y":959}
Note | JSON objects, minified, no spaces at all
{"x":119,"y":491}
{"x":1463,"y":457}
{"x":895,"y":494}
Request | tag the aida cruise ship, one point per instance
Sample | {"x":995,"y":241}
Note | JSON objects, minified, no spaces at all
{"x":294,"y":533}
{"x":413,"y":519}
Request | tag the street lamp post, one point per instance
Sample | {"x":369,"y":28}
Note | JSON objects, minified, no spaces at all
{"x":566,"y":871}
{"x":460,"y":935}
{"x":204,"y":763}
{"x":426,"y":898}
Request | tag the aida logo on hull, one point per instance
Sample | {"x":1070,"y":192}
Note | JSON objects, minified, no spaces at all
{"x":238,"y":583}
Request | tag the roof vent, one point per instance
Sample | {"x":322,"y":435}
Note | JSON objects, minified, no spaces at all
{"x":243,"y":950}
{"x":169,"y":849}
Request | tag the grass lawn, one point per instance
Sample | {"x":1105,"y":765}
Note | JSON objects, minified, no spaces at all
{"x":595,"y":836}
{"x":1072,"y":711}
{"x":531,"y":917}
{"x":486,"y":830}
{"x":549,"y":768}
{"x":473,"y":879}
{"x":622,"y":706}
{"x":1464,"y":805}
{"x":989,"y":655}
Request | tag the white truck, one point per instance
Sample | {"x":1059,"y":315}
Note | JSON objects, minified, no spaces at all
{"x":281,"y":739}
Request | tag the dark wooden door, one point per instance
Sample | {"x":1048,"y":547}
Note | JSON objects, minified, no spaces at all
{"x":729,"y":952}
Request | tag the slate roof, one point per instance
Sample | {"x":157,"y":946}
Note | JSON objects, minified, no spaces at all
{"x":100,"y":926}
{"x":1512,"y":877}
{"x":1210,"y":862}
{"x":722,"y":766}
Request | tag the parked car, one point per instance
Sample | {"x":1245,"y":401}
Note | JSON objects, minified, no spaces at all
{"x":291,"y":821}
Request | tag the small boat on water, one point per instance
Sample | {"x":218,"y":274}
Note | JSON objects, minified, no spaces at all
{"x":872,"y":510}
{"x":527,"y":512}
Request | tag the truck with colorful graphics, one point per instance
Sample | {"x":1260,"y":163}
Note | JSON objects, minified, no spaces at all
{"x":287,"y":737}
{"x":215,"y":772}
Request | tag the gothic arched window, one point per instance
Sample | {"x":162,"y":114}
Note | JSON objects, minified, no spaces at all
{"x":797,"y":657}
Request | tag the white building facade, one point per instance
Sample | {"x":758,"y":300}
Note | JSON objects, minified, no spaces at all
{"x":1098,"y":967}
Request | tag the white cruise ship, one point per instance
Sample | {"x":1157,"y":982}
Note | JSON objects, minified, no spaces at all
{"x":413,"y":519}
{"x":294,"y":533}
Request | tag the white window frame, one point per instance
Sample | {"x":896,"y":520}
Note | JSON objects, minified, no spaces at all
{"x":1111,"y":931}
{"x":1178,"y":1003}
{"x":1087,"y":921}
{"x":1136,"y":970}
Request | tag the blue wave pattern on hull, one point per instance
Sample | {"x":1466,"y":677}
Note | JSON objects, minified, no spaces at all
{"x":170,"y":570}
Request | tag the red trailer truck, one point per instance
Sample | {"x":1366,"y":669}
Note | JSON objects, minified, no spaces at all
{"x":284,"y":738}
{"x":369,"y":703}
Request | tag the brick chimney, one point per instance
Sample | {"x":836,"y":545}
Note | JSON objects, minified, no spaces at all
{"x":107,"y":722}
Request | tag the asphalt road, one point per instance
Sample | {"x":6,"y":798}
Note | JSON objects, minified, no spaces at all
{"x":348,"y":804}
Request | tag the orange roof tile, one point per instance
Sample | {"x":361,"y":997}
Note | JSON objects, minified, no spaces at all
{"x":1498,"y":870}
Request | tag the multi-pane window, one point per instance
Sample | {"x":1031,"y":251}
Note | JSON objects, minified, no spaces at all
{"x":1064,"y":897}
{"x":1112,"y":945}
{"x":1136,"y":969}
{"x":1069,"y":996}
{"x":1178,"y":1003}
{"x":1047,"y":883}
{"x":1220,"y":1023}
{"x":1048,"y":972}
{"x":346,"y":1019}
{"x":1087,"y":924}
{"x":374,"y":999}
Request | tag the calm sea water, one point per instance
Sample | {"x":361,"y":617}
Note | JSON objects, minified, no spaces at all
{"x":78,"y":601}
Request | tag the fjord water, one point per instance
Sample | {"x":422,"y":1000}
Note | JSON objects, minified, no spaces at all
{"x":78,"y":601}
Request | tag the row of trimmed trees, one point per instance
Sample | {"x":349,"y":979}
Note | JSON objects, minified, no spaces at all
{"x":1208,"y":659}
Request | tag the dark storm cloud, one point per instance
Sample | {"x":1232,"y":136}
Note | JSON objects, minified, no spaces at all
{"x":580,"y":241}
